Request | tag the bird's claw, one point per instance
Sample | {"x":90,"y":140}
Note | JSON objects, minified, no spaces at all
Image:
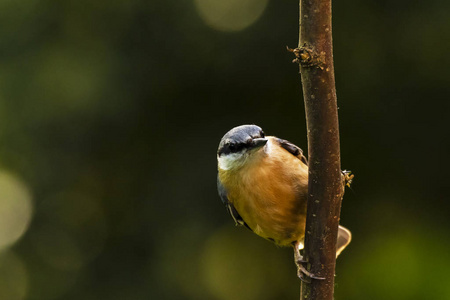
{"x":301,"y":270}
{"x":300,"y":260}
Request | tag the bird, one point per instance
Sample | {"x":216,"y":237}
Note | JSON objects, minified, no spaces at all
{"x":263,"y":182}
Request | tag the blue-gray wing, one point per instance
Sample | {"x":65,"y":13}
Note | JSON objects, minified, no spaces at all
{"x":230,"y":207}
{"x":293,"y":149}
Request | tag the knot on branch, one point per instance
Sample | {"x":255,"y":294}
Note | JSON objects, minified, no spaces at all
{"x":347,"y":178}
{"x":307,"y":57}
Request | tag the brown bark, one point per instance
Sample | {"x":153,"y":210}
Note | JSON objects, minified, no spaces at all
{"x":315,"y":56}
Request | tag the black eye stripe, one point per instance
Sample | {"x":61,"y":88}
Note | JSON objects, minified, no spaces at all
{"x":234,"y":147}
{"x":241,"y":137}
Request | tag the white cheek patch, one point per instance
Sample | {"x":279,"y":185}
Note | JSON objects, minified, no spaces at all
{"x":231,"y":160}
{"x":268,"y":147}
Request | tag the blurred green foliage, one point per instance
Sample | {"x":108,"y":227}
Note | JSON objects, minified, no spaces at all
{"x":111,"y":113}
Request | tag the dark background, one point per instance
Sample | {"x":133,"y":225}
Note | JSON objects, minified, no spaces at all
{"x":110,"y":117}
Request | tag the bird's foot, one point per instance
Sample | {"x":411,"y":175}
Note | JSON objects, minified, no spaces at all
{"x":302,"y":272}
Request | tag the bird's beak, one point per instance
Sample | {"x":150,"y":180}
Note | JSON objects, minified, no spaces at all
{"x":259,"y":142}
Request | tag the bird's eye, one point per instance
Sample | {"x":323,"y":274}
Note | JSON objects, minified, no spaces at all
{"x":232,"y":147}
{"x":262,"y":133}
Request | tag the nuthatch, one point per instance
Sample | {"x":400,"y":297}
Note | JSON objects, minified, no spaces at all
{"x":263,"y":181}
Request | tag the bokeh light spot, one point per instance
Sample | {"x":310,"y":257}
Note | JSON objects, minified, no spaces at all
{"x":231,"y":15}
{"x":72,"y":232}
{"x":13,"y":277}
{"x":238,"y":265}
{"x":58,"y":248}
{"x":15,"y":209}
{"x":390,"y":265}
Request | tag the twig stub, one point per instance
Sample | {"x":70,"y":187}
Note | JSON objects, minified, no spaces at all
{"x":307,"y":57}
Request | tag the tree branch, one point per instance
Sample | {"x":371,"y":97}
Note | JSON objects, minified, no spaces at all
{"x":315,"y":56}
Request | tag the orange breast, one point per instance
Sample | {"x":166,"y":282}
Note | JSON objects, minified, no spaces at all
{"x":269,"y":192}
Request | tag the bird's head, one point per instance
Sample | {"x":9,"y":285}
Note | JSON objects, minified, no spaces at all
{"x":238,"y":144}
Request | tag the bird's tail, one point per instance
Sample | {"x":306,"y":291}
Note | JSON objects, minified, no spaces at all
{"x":343,"y":239}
